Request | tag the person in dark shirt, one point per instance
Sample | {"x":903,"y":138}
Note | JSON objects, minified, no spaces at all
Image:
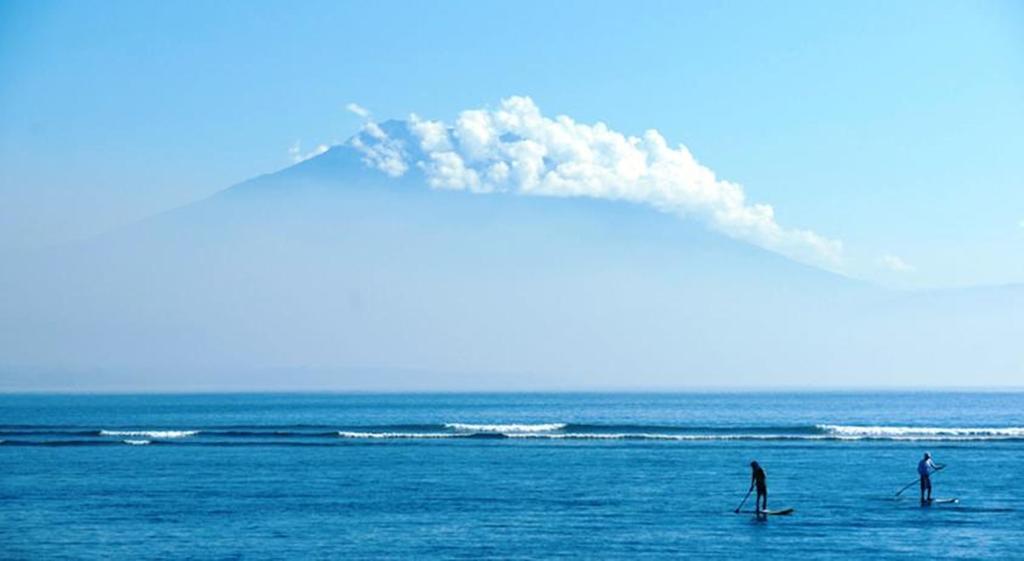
{"x":757,"y":479}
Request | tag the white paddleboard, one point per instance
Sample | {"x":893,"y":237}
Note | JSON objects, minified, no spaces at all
{"x":940,"y":502}
{"x":782,"y":512}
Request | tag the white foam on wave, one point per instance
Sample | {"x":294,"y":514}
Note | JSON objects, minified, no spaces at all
{"x":510,"y":428}
{"x":598,"y":436}
{"x":590,"y":436}
{"x":136,"y":442}
{"x":675,"y":437}
{"x":922,"y":433}
{"x":347,"y":434}
{"x":549,"y":431}
{"x":151,"y":433}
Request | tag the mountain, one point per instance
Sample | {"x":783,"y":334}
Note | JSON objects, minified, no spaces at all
{"x":333,"y":275}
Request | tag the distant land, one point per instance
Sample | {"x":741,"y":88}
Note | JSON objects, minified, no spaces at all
{"x":332,"y":275}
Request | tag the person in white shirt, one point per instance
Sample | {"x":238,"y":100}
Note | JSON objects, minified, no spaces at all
{"x":925,"y":468}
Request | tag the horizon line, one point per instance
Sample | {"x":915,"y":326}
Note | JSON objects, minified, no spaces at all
{"x":524,"y":391}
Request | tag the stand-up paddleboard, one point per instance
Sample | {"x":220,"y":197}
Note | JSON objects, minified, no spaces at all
{"x":782,"y":512}
{"x":931,"y":502}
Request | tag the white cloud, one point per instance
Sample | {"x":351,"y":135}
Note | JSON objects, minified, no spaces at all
{"x":381,"y":151}
{"x":358,"y":110}
{"x":895,"y":264}
{"x":433,"y":135}
{"x":515,"y":148}
{"x":295,"y":152}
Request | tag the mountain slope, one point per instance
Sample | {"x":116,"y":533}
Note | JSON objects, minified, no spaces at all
{"x":331,"y":275}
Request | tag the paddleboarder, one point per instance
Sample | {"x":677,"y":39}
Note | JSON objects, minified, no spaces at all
{"x":757,"y":479}
{"x":925,"y":468}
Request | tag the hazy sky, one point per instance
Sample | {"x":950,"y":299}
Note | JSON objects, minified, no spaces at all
{"x":894,"y":128}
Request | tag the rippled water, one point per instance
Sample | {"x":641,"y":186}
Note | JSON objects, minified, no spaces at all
{"x":506,"y":476}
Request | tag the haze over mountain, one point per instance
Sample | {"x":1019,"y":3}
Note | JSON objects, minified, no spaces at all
{"x":384,"y":263}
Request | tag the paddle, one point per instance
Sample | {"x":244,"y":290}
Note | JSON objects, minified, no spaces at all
{"x":744,"y":499}
{"x":909,"y":485}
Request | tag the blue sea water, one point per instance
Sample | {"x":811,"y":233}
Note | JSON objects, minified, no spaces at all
{"x":507,"y":476}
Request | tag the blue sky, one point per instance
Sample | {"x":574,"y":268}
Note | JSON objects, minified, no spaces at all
{"x":893,"y":127}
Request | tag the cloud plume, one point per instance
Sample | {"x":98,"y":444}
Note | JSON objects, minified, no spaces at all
{"x":515,"y":148}
{"x":359,"y":110}
{"x":296,"y":154}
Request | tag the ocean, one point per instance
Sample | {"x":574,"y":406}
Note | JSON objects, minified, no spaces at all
{"x":508,"y":476}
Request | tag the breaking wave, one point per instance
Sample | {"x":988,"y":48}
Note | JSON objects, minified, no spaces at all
{"x":323,"y":434}
{"x":348,"y":434}
{"x":514,"y":428}
{"x":937,"y":433}
{"x":151,"y":433}
{"x":821,"y":432}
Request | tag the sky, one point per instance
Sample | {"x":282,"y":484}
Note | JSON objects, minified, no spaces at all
{"x":892,"y":128}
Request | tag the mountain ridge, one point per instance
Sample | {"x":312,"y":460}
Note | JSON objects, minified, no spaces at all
{"x":329,"y":266}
